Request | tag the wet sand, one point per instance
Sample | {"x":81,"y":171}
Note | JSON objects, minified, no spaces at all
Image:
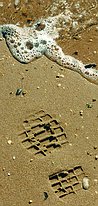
{"x":33,"y":170}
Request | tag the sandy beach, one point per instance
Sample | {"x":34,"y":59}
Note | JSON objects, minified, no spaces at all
{"x":56,"y":107}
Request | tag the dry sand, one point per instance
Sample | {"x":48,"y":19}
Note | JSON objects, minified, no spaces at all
{"x":73,"y":102}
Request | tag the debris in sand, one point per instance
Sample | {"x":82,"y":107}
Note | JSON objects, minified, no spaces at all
{"x":81,"y":112}
{"x":60,"y":75}
{"x":89,"y":105}
{"x":24,"y":92}
{"x":45,"y":195}
{"x":18,"y":92}
{"x":89,"y":153}
{"x":93,"y":100}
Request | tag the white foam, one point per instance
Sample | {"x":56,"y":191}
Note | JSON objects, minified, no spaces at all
{"x":29,"y":43}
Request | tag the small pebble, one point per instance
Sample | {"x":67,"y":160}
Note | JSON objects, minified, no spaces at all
{"x":95,"y":147}
{"x":96,"y":28}
{"x":38,"y":87}
{"x":9,"y":141}
{"x":14,"y":157}
{"x":66,"y":124}
{"x":16,"y":2}
{"x":70,"y":144}
{"x":1,"y":4}
{"x":31,"y":160}
{"x":9,"y":5}
{"x":9,"y":174}
{"x":90,"y":40}
{"x":59,"y":85}
{"x":82,"y":127}
{"x":62,"y":75}
{"x":76,"y":135}
{"x":30,"y":201}
{"x":45,"y":90}
{"x":96,"y":181}
{"x":3,"y":168}
{"x":94,"y":52}
{"x":85,"y":183}
{"x":96,"y":157}
{"x":52,"y":163}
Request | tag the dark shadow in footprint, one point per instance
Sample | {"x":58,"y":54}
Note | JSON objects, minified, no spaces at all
{"x":67,"y":182}
{"x":42,"y":134}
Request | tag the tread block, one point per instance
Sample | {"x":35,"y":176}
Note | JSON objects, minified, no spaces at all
{"x":42,"y":134}
{"x":67,"y":181}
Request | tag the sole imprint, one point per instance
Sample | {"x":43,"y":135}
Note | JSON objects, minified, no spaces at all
{"x":42,"y":134}
{"x":67,"y":182}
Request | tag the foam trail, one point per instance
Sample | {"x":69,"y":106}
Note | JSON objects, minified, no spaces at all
{"x":55,"y":53}
{"x":29,"y":43}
